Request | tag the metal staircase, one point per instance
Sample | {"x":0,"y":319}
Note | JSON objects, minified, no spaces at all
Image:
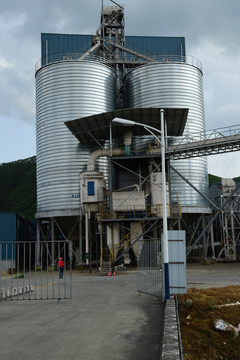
{"x":104,"y":268}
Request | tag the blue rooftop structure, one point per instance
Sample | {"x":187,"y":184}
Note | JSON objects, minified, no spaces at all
{"x":65,"y":44}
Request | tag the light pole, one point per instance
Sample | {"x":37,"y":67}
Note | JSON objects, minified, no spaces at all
{"x":164,"y":197}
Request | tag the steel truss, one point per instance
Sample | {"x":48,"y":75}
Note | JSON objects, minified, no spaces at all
{"x":228,"y":246}
{"x":211,"y":142}
{"x":230,"y":228}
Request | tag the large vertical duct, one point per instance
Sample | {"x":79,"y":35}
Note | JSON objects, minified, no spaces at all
{"x":175,"y":85}
{"x":64,"y":91}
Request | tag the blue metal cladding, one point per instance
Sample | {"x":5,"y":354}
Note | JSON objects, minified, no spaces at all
{"x":91,"y":191}
{"x":8,"y":227}
{"x":63,"y":43}
{"x":157,"y":44}
{"x":8,"y":233}
{"x":52,"y":44}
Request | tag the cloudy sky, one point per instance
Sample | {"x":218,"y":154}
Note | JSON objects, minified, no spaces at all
{"x":211,"y":29}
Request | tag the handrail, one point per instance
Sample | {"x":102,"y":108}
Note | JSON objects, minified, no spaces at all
{"x":106,"y":213}
{"x":183,"y":146}
{"x":223,"y":132}
{"x":127,"y":58}
{"x":199,"y":144}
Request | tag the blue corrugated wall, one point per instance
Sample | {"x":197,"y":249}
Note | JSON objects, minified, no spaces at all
{"x":52,"y":44}
{"x":63,"y":43}
{"x":8,"y":227}
{"x":8,"y":232}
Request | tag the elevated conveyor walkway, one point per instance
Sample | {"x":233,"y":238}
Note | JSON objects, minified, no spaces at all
{"x":212,"y":142}
{"x":217,"y":141}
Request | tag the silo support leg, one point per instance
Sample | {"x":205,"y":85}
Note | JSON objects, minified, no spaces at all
{"x":204,"y":242}
{"x":80,"y":239}
{"x":38,"y":242}
{"x":87,"y":235}
{"x":212,"y":243}
{"x":53,"y":238}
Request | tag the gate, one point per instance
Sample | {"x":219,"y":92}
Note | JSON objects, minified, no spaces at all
{"x":29,"y":271}
{"x":149,"y":274}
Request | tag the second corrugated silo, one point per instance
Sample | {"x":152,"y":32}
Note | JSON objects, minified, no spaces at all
{"x":67,"y":90}
{"x":175,"y":85}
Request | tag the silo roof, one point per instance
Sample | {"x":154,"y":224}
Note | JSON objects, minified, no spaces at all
{"x":97,"y":126}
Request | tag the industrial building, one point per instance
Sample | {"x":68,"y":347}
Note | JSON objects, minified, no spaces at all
{"x":99,"y":184}
{"x":15,"y":230}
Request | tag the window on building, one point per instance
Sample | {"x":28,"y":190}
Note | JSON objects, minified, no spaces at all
{"x":91,"y":191}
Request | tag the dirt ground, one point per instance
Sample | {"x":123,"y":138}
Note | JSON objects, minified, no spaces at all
{"x":199,"y":310}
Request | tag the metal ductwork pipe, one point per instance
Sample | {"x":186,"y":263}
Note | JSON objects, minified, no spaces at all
{"x":100,"y":153}
{"x":127,"y":140}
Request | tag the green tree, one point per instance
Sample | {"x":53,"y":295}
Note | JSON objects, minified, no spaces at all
{"x":18,"y":187}
{"x":213,"y":179}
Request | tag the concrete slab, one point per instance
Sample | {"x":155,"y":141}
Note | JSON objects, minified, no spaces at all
{"x":105,"y":319}
{"x":213,"y":275}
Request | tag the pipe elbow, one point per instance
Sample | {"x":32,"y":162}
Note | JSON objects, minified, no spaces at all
{"x":100,"y":153}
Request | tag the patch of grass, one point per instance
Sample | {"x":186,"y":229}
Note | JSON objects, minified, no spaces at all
{"x":198,"y":311}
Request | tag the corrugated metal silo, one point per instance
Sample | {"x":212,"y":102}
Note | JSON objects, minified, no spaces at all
{"x":67,"y":90}
{"x":175,"y":85}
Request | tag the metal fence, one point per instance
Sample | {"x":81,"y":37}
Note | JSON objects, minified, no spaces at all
{"x":29,"y":270}
{"x":149,"y":272}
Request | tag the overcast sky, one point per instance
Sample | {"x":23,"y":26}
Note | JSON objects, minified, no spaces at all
{"x":211,"y":29}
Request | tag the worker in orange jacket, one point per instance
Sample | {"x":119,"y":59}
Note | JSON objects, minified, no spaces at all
{"x":60,"y":265}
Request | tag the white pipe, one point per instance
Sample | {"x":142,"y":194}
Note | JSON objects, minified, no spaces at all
{"x":100,"y":153}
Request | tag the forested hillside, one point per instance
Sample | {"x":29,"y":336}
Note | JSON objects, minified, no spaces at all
{"x":213,"y":179}
{"x":18,"y":187}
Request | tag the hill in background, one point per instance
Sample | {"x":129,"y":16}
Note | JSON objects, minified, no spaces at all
{"x":18,"y":187}
{"x":213,"y":179}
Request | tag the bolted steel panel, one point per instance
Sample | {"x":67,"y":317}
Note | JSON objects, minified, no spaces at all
{"x":177,"y":262}
{"x":174,"y":86}
{"x":65,"y":91}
